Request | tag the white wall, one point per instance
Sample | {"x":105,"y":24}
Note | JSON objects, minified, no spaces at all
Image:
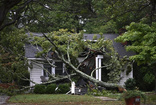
{"x":35,"y":72}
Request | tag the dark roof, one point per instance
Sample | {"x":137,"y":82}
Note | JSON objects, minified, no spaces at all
{"x":30,"y":51}
{"x":119,"y":47}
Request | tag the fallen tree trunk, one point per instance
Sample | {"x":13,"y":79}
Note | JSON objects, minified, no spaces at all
{"x":90,"y":78}
{"x":49,"y":82}
{"x":80,"y":73}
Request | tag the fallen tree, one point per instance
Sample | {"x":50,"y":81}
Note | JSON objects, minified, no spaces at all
{"x":68,"y":46}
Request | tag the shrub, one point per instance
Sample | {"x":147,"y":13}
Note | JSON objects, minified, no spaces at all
{"x":130,"y":84}
{"x":39,"y":89}
{"x":21,"y":82}
{"x":133,"y":93}
{"x":63,"y":88}
{"x":51,"y":89}
{"x":8,"y":85}
{"x":8,"y":91}
{"x":140,"y":75}
{"x":96,"y":92}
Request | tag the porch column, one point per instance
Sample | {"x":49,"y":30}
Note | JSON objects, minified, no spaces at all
{"x":98,"y":67}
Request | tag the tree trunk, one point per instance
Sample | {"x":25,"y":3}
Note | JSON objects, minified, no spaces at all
{"x":5,"y":7}
{"x":80,"y":73}
{"x":154,"y":68}
{"x":49,"y":82}
{"x":155,"y":81}
{"x":90,"y":78}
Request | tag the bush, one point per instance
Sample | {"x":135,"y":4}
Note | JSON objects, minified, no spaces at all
{"x":63,"y":88}
{"x":96,"y":92}
{"x":144,"y":82}
{"x":130,"y":84}
{"x":51,"y":89}
{"x":8,"y":91}
{"x":21,"y":82}
{"x":133,"y":93}
{"x":39,"y":89}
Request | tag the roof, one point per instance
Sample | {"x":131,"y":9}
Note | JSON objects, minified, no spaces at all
{"x":31,"y":51}
{"x":119,"y":47}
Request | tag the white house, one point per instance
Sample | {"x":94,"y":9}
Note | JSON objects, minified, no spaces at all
{"x":38,"y":64}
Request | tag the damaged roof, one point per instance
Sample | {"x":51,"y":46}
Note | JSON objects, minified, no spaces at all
{"x":31,"y":51}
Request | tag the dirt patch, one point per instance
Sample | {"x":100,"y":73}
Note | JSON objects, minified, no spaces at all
{"x":3,"y":99}
{"x":106,"y":99}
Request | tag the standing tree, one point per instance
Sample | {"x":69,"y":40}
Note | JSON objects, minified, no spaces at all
{"x":12,"y":61}
{"x":11,"y":10}
{"x":111,"y":15}
{"x":93,"y":16}
{"x":57,"y":14}
{"x":143,"y":39}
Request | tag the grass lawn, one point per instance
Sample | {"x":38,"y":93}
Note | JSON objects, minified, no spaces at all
{"x":151,"y":98}
{"x":59,"y":99}
{"x":62,"y":99}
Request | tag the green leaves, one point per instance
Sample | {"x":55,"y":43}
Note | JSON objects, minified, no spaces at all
{"x":12,"y":59}
{"x":143,"y":38}
{"x":73,"y":44}
{"x":149,"y":78}
{"x":114,"y":15}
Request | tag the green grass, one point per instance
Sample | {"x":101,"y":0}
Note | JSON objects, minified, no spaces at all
{"x":60,"y":99}
{"x":151,"y":98}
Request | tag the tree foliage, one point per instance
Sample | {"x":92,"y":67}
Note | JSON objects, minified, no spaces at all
{"x":11,"y":11}
{"x":90,"y":15}
{"x":115,"y":14}
{"x":93,"y":16}
{"x":57,"y":14}
{"x":69,"y":46}
{"x":142,"y":38}
{"x":12,"y":62}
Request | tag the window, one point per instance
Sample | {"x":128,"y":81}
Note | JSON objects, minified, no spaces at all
{"x":47,"y":70}
{"x":58,"y":70}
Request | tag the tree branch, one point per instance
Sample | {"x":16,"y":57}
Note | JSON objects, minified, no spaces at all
{"x":58,"y":79}
{"x":99,"y":68}
{"x":83,"y":60}
{"x":82,"y":74}
{"x":68,"y":52}
{"x":45,"y":70}
{"x":7,"y":7}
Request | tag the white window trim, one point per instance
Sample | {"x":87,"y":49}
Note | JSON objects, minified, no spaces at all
{"x":53,"y":68}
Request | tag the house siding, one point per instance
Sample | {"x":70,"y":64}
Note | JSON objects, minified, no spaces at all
{"x":35,"y":72}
